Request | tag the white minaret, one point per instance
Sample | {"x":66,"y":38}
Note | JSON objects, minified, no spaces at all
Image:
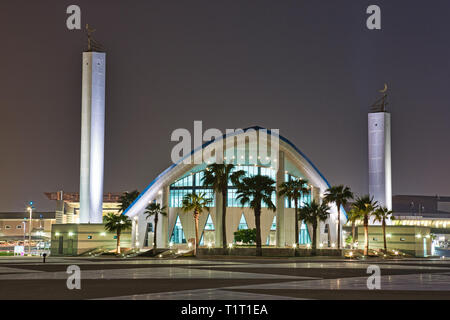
{"x":379,"y":127}
{"x":92,"y":134}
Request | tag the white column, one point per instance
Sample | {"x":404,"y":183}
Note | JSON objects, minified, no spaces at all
{"x":134,"y":232}
{"x":380,"y":180}
{"x":315,"y":195}
{"x":281,"y":229}
{"x":92,"y":137}
{"x":163,"y":221}
{"x":218,"y":223}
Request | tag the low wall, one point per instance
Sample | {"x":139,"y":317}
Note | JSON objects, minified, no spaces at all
{"x":268,"y":252}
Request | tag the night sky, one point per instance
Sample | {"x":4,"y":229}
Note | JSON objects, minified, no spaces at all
{"x":309,"y":68}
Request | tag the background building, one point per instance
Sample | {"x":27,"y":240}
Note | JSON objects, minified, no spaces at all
{"x":421,"y":206}
{"x":421,"y":226}
{"x":15,"y":228}
{"x":67,"y":209}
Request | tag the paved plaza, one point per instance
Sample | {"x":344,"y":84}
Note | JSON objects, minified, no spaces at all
{"x":223,"y":279}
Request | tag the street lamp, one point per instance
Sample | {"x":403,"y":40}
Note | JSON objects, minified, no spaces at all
{"x":30,"y":209}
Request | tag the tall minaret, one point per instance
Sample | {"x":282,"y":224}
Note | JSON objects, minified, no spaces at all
{"x":92,"y":132}
{"x":379,"y":126}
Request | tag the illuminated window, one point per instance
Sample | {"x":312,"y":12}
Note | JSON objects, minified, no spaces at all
{"x":178,"y":233}
{"x":273,"y":227}
{"x":243,"y":223}
{"x":209,"y":223}
{"x":146,"y":237}
{"x":208,"y":231}
{"x":303,"y":237}
{"x":271,"y":238}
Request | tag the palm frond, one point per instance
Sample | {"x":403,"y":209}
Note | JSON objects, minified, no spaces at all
{"x":155,"y":209}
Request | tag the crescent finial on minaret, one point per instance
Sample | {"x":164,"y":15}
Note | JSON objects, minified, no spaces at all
{"x":381,"y":103}
{"x":93,"y":45}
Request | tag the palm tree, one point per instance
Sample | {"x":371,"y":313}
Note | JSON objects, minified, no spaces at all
{"x":365,"y":205}
{"x":313,"y":213}
{"x":255,"y":191}
{"x":353,"y":215}
{"x":217,"y":176}
{"x":340,"y":195}
{"x":116,"y":223}
{"x":154,"y":209}
{"x":381,"y":214}
{"x":196,"y":203}
{"x":126,"y":199}
{"x":294,"y":189}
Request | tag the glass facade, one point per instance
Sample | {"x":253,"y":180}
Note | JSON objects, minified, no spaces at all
{"x":176,"y":197}
{"x":232,"y":201}
{"x":189,"y":184}
{"x":305,"y":198}
{"x":192,"y":183}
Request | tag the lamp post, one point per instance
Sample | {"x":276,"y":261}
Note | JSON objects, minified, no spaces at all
{"x":30,"y":209}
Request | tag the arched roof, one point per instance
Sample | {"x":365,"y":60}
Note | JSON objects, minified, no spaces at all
{"x":178,"y":169}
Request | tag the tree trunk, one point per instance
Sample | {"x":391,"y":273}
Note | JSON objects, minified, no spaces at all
{"x":258,"y":231}
{"x":384,"y":235}
{"x":196,"y":233}
{"x":353,"y":231}
{"x":296,"y":220}
{"x":314,"y":242}
{"x":118,"y":241}
{"x":366,"y":235}
{"x":224,"y":219}
{"x":154,"y":234}
{"x":339,"y":226}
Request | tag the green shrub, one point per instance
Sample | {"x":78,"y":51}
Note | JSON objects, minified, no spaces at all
{"x":349,"y":240}
{"x":4,"y":253}
{"x":245,"y":235}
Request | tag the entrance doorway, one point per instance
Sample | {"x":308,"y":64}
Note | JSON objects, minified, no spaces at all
{"x":61,"y":245}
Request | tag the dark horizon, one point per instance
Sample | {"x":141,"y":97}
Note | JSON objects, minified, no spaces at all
{"x":310,"y":69}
